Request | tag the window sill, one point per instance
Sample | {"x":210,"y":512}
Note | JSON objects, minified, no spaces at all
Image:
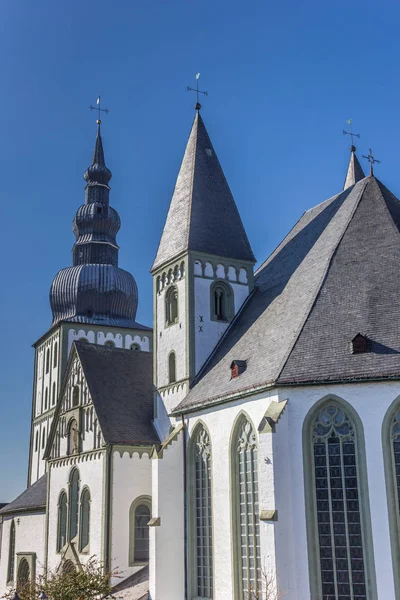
{"x":139,"y":563}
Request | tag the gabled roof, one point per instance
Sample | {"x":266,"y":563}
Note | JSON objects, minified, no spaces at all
{"x":354,"y":170}
{"x":202,"y":216}
{"x":335,"y":274}
{"x":32,"y":499}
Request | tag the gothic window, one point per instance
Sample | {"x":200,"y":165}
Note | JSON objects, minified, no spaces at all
{"x":139,"y":517}
{"x":201,"y":507}
{"x":246,"y":512}
{"x":73,"y":437}
{"x":134,"y":347}
{"x":75,"y":396}
{"x":171,"y":305}
{"x":172,"y":368}
{"x":62,"y":521}
{"x":55,"y":357}
{"x":47,"y":361}
{"x":222,"y":307}
{"x":23,"y":575}
{"x":11,"y":554}
{"x":84,"y":528}
{"x":73,"y":503}
{"x":337,"y":518}
{"x":46,"y":399}
{"x":53,"y":396}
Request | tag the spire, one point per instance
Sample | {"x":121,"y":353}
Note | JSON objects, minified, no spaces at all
{"x":202,"y":216}
{"x":98,"y":173}
{"x":354,"y":170}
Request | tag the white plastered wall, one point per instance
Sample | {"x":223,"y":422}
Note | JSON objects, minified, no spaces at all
{"x":121,"y":339}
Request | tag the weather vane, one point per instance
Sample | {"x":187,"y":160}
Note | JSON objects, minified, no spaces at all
{"x":371,"y":161}
{"x":196,"y":89}
{"x":351,"y":134}
{"x":99,"y":110}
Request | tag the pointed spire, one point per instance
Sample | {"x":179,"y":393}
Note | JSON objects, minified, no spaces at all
{"x":98,"y":172}
{"x":202,"y":216}
{"x":354,"y":170}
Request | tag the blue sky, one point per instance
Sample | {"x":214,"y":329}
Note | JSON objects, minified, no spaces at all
{"x":282,"y":80}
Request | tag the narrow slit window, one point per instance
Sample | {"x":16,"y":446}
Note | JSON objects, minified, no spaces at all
{"x":172,"y":368}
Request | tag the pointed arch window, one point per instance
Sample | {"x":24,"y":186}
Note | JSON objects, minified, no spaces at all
{"x":62,"y":521}
{"x":338,"y":498}
{"x":201,"y":510}
{"x":246,"y":512}
{"x":24,"y":575}
{"x":73,"y":444}
{"x":11,"y":554}
{"x":391,"y":448}
{"x":171,"y":305}
{"x":172,"y":367}
{"x":222,"y":301}
{"x":139,"y":517}
{"x":73,"y":503}
{"x":84,"y":526}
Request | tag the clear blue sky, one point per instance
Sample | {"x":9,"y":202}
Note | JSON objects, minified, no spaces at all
{"x":282,"y":79}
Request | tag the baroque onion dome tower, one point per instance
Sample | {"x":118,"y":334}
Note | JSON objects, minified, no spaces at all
{"x":93,"y":300}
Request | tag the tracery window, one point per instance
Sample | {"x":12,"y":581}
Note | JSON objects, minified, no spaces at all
{"x":84,"y":528}
{"x":11,"y":554}
{"x":62,"y":521}
{"x":73,"y":444}
{"x":222,"y":308}
{"x":171,"y":305}
{"x":172,"y":368}
{"x":73,"y":503}
{"x":139,"y":517}
{"x":247,"y":524}
{"x":202,"y":555}
{"x":337,"y":506}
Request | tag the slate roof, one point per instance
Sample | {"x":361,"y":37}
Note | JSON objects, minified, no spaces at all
{"x":33,"y":498}
{"x":202,"y":215}
{"x":354,"y":170}
{"x":335,"y":274}
{"x":121,"y":386}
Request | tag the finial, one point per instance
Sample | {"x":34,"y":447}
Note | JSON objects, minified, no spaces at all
{"x":351,"y":134}
{"x":371,"y":161}
{"x":99,"y":110}
{"x":197,"y":106}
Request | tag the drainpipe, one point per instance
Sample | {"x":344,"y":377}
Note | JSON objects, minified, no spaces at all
{"x":108,"y":511}
{"x":185,"y":508}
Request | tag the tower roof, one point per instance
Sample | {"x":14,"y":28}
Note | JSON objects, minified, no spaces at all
{"x":336,"y":274}
{"x":202,"y":215}
{"x":354,"y":170}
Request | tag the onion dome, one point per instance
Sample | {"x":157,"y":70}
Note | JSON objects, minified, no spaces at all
{"x":95,"y":289}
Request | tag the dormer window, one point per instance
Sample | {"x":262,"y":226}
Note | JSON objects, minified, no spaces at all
{"x":222,"y":308}
{"x":171,"y":305}
{"x":360,"y":344}
{"x":237,"y":368}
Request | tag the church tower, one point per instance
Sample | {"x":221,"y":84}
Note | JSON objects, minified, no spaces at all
{"x":203,"y":270}
{"x":93,"y":300}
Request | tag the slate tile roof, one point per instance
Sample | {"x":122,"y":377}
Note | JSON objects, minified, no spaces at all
{"x":334,"y":275}
{"x":121,"y":386}
{"x":354,"y":170}
{"x":202,"y":215}
{"x":33,"y":498}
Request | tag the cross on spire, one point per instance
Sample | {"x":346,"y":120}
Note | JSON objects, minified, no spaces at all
{"x":351,"y":134}
{"x":196,"y":89}
{"x":371,"y":161}
{"x":99,"y":110}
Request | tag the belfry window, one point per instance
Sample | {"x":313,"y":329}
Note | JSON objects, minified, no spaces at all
{"x":222,"y":308}
{"x":202,"y":551}
{"x":172,"y":368}
{"x":171,"y":305}
{"x":11,"y":554}
{"x":73,"y":503}
{"x":62,"y":521}
{"x":246,"y":512}
{"x":84,"y":527}
{"x":337,"y":518}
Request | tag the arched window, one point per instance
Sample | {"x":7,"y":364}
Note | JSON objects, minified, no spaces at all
{"x":11,"y":554}
{"x":139,"y":517}
{"x":75,"y":396}
{"x":73,"y":445}
{"x":46,"y":398}
{"x":24,"y":575}
{"x":109,"y":344}
{"x":55,"y":353}
{"x":37,"y":441}
{"x":336,"y":501}
{"x":73,"y":503}
{"x":391,"y":453}
{"x":135,"y":347}
{"x":172,"y":368}
{"x":171,"y":305}
{"x":222,"y":306}
{"x":43,"y":438}
{"x":62,"y":521}
{"x":53,"y":396}
{"x":246,"y":512}
{"x":68,"y":567}
{"x":47,"y":361}
{"x":84,"y":527}
{"x":201,"y":511}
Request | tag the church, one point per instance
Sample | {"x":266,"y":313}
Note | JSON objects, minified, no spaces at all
{"x":245,"y":447}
